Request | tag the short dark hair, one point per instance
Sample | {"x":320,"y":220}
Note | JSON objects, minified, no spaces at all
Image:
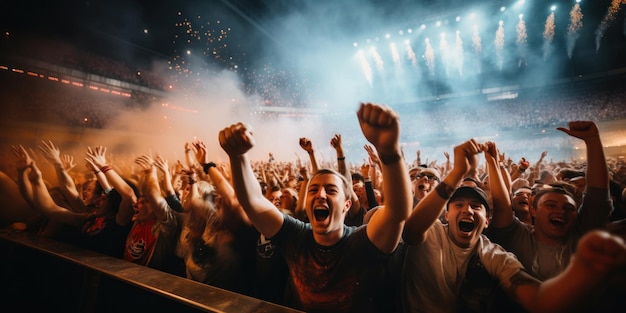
{"x":347,"y":188}
{"x":538,"y":190}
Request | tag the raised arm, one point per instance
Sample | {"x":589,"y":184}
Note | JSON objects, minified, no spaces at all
{"x":342,"y":168}
{"x":62,"y":168}
{"x":97,"y":156}
{"x":234,"y":212}
{"x":41,"y":199}
{"x":502,"y":210}
{"x":102,"y":179}
{"x":504,"y":170}
{"x":381,"y":127}
{"x":237,"y":140}
{"x":307,"y":145}
{"x":166,"y":184}
{"x":599,"y":255}
{"x":366,"y":169}
{"x":597,"y":175}
{"x":22,"y":164}
{"x":429,"y":209}
{"x":336,"y":143}
{"x":595,"y":209}
{"x":150,"y":188}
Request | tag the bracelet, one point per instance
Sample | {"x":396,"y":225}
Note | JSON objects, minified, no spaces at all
{"x":444,"y":191}
{"x":341,"y":158}
{"x":207,"y":166}
{"x":105,"y":169}
{"x":96,"y":172}
{"x":389,"y":159}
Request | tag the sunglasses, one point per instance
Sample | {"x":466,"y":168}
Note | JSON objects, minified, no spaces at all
{"x":429,"y":177}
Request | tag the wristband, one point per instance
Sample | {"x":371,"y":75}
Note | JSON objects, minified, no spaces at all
{"x":389,"y":159}
{"x":341,"y":159}
{"x":207,"y":166}
{"x":105,"y":169}
{"x":444,"y":191}
{"x":96,"y":172}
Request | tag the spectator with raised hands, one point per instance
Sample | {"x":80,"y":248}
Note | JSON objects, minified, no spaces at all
{"x":91,"y":191}
{"x":333,"y":267}
{"x":357,"y":211}
{"x":217,"y":240}
{"x":152,"y":239}
{"x":546,"y":247}
{"x":453,"y":267}
{"x":172,"y":195}
{"x":103,"y":230}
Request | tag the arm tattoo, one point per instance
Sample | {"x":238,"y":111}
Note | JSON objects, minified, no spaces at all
{"x":521,"y":278}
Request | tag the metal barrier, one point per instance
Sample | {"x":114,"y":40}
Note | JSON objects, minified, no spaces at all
{"x":40,"y":274}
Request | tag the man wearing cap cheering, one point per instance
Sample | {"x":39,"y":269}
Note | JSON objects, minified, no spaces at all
{"x":446,"y":264}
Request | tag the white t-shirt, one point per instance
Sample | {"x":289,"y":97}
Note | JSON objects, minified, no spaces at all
{"x":434,"y":270}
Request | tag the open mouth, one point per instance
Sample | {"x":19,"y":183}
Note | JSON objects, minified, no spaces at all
{"x":421,"y":187}
{"x":466,"y":226}
{"x":558,"y":222}
{"x":321,"y":214}
{"x":523,"y":202}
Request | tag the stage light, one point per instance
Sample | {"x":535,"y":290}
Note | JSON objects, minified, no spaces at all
{"x":423,"y":26}
{"x":502,"y":9}
{"x":438,"y":23}
{"x":354,"y":44}
{"x":458,"y":19}
{"x":387,"y":36}
{"x":410,"y":30}
{"x":552,"y":8}
{"x":521,"y":16}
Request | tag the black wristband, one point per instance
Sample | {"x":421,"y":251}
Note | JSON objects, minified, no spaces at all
{"x":444,"y":191}
{"x":341,"y":159}
{"x":207,"y":166}
{"x":389,"y":158}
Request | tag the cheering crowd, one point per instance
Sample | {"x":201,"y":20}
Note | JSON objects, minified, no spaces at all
{"x":474,"y":232}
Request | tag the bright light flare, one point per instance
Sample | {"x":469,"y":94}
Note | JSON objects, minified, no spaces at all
{"x":429,"y":55}
{"x":548,"y":36}
{"x":575,"y":24}
{"x":499,"y":44}
{"x":395,"y":56}
{"x":411,"y":54}
{"x":366,"y":68}
{"x":378,"y":60}
{"x":608,"y":19}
